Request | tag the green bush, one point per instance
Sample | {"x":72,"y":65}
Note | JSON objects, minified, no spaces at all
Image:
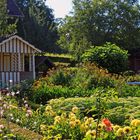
{"x":130,"y":90}
{"x":46,"y":92}
{"x":108,"y":56}
{"x":60,"y":77}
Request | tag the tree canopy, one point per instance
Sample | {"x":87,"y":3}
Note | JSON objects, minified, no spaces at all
{"x":6,"y":27}
{"x":94,"y":22}
{"x":38,"y":26}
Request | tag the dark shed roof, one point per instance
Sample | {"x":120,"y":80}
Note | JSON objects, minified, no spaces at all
{"x":13,"y":9}
{"x":2,"y":38}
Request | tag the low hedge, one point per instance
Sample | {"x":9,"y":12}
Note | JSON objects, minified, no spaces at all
{"x":45,"y":93}
{"x":119,"y":111}
{"x":42,"y":95}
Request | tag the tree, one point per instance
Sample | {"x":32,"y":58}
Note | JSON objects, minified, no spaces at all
{"x":108,"y":56}
{"x":100,"y":21}
{"x":38,"y":26}
{"x":6,"y":28}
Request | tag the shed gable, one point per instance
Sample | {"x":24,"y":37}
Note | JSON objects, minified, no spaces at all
{"x":16,"y":44}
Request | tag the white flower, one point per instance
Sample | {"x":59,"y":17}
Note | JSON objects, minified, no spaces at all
{"x":10,"y":81}
{"x":26,"y":105}
{"x":13,"y":93}
{"x":17,"y":92}
{"x":12,"y":118}
{"x":8,"y":94}
{"x":0,"y":98}
{"x":1,"y":113}
{"x":11,"y":115}
{"x":5,"y":105}
{"x":17,"y":120}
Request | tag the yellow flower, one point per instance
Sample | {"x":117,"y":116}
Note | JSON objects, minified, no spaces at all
{"x":127,"y":129}
{"x":85,"y":118}
{"x":51,"y":127}
{"x":137,"y":123}
{"x":63,"y":115}
{"x":43,"y":127}
{"x":139,"y":137}
{"x":116,"y":127}
{"x":92,"y":133}
{"x":73,"y":118}
{"x":72,"y":115}
{"x":88,"y":132}
{"x":133,"y":122}
{"x":100,"y":127}
{"x":58,"y":137}
{"x":89,"y":122}
{"x":45,"y":138}
{"x":119,"y":132}
{"x":52,"y":113}
{"x":83,"y":128}
{"x":75,"y":109}
{"x":57,"y":119}
{"x":72,"y":124}
{"x":48,"y":108}
{"x":77,"y":122}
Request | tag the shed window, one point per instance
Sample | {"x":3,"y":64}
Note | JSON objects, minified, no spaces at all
{"x":26,"y":62}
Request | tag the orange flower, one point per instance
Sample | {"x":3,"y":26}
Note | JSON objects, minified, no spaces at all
{"x":106,"y":122}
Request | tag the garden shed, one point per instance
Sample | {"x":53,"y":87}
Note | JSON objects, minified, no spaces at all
{"x":17,"y":60}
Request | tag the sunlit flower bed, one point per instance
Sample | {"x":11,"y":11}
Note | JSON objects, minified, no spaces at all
{"x":71,"y":126}
{"x":65,"y":125}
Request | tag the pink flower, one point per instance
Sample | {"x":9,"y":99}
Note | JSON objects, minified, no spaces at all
{"x":29,"y":113}
{"x":108,"y":128}
{"x":1,"y":126}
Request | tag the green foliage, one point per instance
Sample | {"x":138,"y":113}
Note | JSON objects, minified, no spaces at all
{"x":60,"y":78}
{"x":119,"y":111}
{"x":44,"y":93}
{"x":95,"y":22}
{"x":71,"y":82}
{"x":38,"y":26}
{"x":108,"y":56}
{"x":130,"y":90}
{"x":6,"y":27}
{"x":73,"y":118}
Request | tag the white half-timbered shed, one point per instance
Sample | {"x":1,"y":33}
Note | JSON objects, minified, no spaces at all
{"x":17,"y":60}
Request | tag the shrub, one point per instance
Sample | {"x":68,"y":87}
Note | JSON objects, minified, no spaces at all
{"x":108,"y":56}
{"x":60,"y":77}
{"x":45,"y":92}
{"x":130,"y":90}
{"x":73,"y":82}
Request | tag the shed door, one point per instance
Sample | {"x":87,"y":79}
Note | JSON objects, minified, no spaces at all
{"x":7,"y":62}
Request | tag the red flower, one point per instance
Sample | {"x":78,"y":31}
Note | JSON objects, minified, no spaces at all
{"x":106,"y":122}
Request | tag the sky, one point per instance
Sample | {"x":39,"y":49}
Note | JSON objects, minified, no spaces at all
{"x":61,"y":7}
